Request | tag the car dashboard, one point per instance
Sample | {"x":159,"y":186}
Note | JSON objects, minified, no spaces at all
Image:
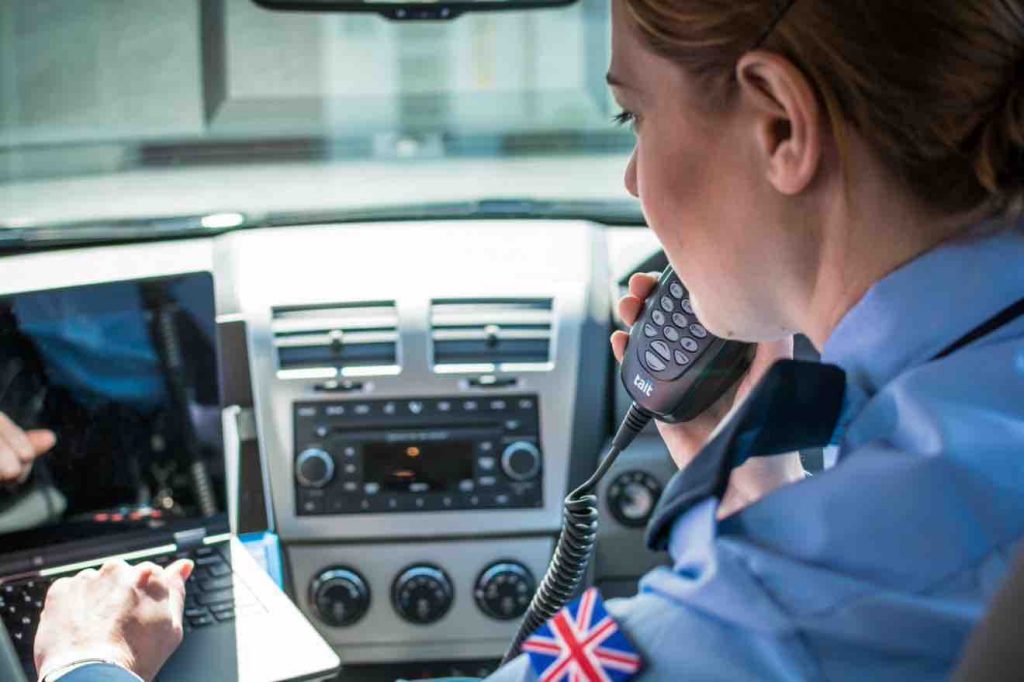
{"x":407,"y":405}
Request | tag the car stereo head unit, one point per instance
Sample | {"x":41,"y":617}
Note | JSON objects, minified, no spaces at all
{"x":424,"y":454}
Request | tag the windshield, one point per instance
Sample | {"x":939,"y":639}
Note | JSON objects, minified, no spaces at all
{"x":222,"y":100}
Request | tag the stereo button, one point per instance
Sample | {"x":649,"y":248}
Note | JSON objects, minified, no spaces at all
{"x":313,"y":505}
{"x":521,"y":461}
{"x":485,"y":463}
{"x":486,"y":481}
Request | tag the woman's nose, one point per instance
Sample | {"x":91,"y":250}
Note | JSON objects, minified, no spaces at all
{"x":630,"y":179}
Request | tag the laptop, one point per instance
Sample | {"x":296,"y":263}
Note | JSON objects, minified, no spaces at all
{"x":126,"y":375}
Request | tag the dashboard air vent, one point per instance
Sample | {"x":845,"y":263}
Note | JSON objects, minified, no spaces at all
{"x":323,"y":341}
{"x":489,"y":334}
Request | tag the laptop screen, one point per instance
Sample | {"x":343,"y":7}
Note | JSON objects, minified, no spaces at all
{"x":125,"y":375}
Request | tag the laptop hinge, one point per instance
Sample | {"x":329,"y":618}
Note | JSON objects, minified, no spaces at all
{"x":189,"y":539}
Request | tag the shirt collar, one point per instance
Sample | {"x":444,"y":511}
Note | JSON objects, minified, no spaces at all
{"x":914,"y":313}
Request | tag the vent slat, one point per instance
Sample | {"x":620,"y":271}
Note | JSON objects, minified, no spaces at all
{"x":327,"y":356}
{"x":502,"y":335}
{"x":461,"y":318}
{"x":326,"y":338}
{"x":299,"y":325}
{"x":481,"y":332}
{"x":468,"y":352}
{"x":336,"y":337}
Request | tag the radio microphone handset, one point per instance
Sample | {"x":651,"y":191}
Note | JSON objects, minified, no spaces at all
{"x":673,"y":369}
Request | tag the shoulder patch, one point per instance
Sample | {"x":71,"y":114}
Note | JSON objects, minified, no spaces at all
{"x":582,"y":643}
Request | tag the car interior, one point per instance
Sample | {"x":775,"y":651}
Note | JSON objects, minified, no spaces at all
{"x":339,"y":276}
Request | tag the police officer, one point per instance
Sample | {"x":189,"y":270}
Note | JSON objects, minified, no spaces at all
{"x":849,"y":171}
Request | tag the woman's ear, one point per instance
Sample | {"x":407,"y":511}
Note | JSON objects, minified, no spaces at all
{"x":787,"y":119}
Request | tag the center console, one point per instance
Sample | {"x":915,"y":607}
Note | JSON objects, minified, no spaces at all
{"x":422,"y":423}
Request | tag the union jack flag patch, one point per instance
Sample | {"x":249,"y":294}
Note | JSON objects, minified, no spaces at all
{"x":582,"y":643}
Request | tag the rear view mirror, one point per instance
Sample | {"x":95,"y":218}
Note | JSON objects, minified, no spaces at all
{"x":410,"y":9}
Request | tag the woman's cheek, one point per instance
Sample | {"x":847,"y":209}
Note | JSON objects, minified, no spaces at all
{"x":659,"y":195}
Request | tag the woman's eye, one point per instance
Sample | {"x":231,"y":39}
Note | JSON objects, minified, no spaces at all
{"x":624,"y":118}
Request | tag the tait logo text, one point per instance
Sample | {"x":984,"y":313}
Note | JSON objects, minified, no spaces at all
{"x":646,"y":387}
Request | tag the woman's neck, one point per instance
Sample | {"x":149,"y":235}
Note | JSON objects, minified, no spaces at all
{"x":870,"y":231}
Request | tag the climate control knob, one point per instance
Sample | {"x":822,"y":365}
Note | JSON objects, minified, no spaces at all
{"x":314,"y":468}
{"x":422,"y":594}
{"x":504,"y":589}
{"x":632,"y":497}
{"x":521,"y":461}
{"x":340,"y":596}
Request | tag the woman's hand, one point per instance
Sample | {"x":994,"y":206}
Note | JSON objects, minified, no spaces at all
{"x":129,"y":615}
{"x":19,"y":449}
{"x":759,"y":475}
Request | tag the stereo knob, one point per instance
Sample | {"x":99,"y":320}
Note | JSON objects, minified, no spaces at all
{"x":521,"y":461}
{"x":340,"y":596}
{"x":503,"y":591}
{"x":422,"y":594}
{"x":314,"y":468}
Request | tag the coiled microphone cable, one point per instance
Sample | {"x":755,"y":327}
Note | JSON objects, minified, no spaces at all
{"x":577,"y":539}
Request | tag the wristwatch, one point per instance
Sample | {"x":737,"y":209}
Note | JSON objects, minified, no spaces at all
{"x":57,"y":673}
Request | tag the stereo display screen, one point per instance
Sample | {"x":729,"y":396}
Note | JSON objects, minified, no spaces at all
{"x":418,"y":466}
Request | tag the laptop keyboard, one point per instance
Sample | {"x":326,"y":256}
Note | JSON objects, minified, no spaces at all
{"x":212,"y":597}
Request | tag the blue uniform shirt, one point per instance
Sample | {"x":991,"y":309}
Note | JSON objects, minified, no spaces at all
{"x":880,"y":566}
